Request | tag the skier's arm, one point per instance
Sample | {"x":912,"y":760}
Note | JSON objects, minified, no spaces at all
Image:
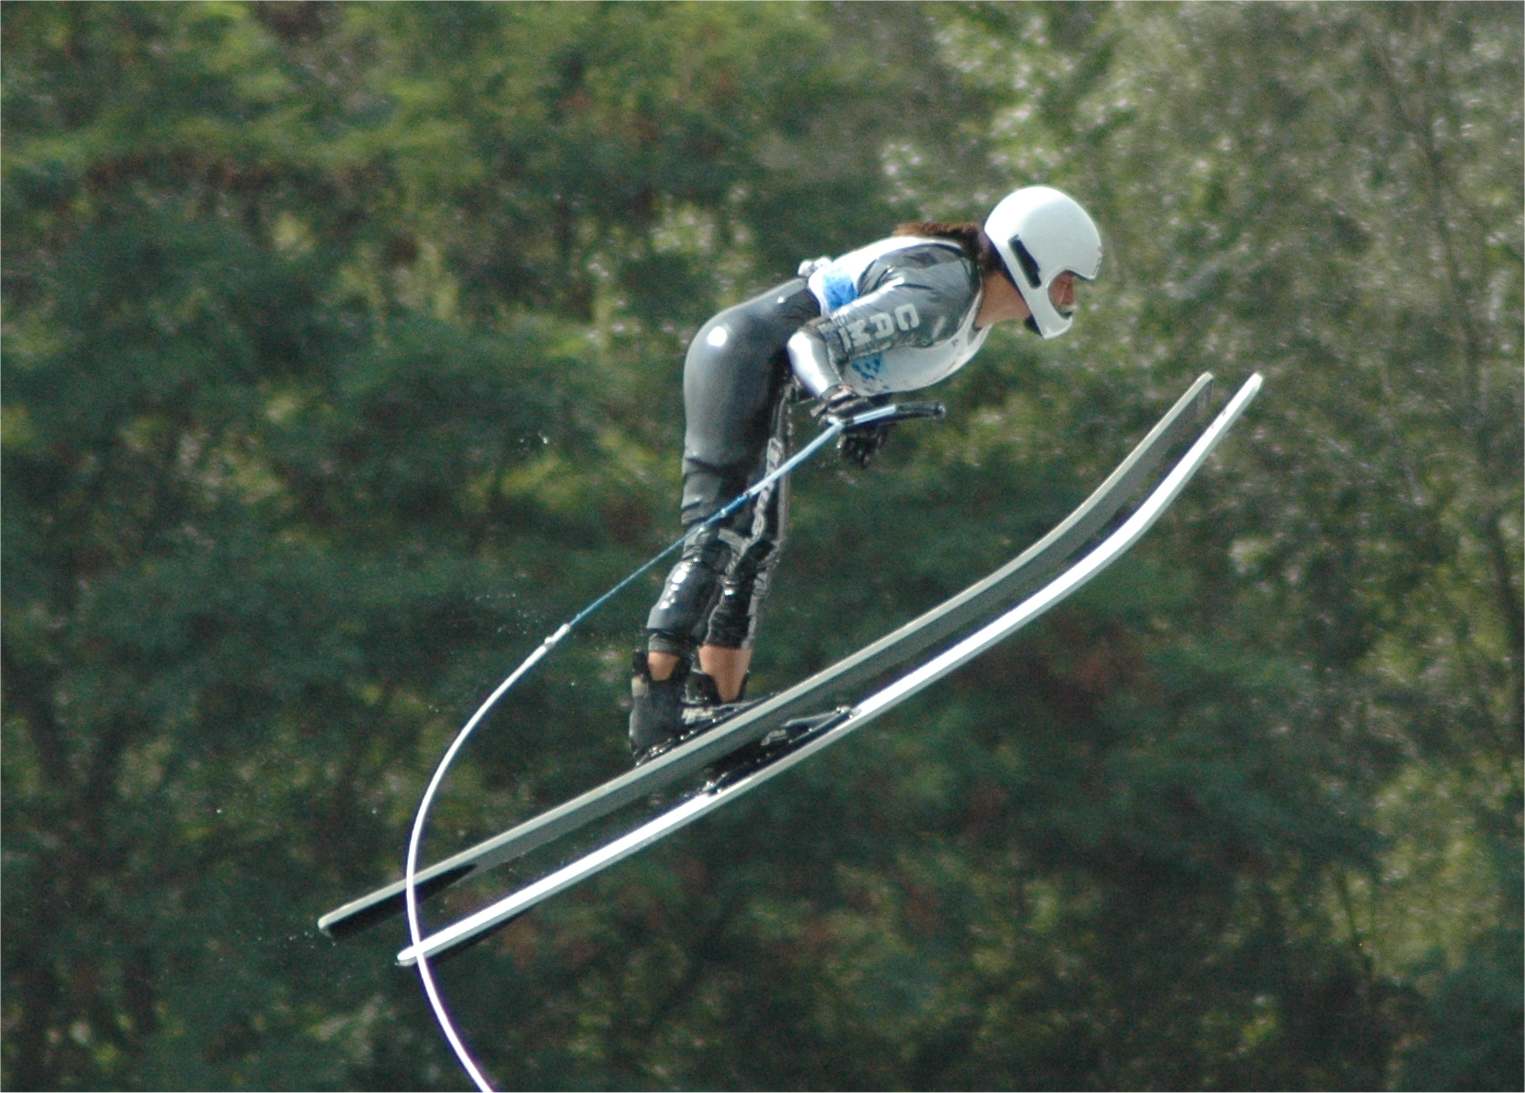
{"x":810,"y":358}
{"x":913,"y":306}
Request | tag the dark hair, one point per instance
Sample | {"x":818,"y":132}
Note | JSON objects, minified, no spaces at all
{"x":967,"y":234}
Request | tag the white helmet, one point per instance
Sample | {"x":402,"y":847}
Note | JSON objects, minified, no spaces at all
{"x":1040,"y":233}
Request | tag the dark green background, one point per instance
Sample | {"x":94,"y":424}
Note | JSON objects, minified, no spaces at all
{"x":342,"y":349}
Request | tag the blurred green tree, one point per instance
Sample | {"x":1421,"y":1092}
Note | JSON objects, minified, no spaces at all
{"x":342,"y":348}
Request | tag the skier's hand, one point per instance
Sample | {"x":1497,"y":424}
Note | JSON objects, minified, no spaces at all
{"x":861,"y":445}
{"x":856,"y":445}
{"x":840,"y":403}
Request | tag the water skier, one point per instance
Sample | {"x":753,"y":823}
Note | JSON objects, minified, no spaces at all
{"x":897,"y":315}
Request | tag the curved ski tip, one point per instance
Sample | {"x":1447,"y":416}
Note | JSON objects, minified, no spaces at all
{"x":1201,"y":393}
{"x":1242,"y":397}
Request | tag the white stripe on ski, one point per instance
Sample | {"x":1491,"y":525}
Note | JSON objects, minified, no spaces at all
{"x":1066,"y":584}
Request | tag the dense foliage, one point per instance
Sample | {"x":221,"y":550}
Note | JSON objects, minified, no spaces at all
{"x":342,"y":351}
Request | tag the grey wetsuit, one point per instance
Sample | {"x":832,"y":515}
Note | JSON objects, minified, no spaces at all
{"x":895,"y":316}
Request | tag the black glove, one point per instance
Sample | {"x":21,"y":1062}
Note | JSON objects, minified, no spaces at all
{"x":839,"y":403}
{"x":856,"y":445}
{"x":860,"y":445}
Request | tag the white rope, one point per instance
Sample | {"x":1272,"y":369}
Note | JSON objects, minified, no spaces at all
{"x":415,"y":837}
{"x":410,"y":891}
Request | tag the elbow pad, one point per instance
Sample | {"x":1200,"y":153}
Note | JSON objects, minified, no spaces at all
{"x":810,"y":360}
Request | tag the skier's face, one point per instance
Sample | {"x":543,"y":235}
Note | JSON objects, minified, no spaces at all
{"x":1061,"y":293}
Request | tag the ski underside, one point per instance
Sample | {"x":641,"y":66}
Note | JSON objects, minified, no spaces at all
{"x":770,"y":736}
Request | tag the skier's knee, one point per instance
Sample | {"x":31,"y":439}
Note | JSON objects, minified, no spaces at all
{"x":663,"y":664}
{"x":664,"y":647}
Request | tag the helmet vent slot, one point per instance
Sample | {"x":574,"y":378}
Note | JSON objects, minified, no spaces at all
{"x":1028,"y":262}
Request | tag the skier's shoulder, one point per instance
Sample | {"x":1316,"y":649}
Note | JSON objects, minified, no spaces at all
{"x":907,"y":252}
{"x":924,"y":264}
{"x":939,"y":266}
{"x":922,"y":251}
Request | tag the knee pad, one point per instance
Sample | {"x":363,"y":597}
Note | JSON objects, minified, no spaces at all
{"x":676,"y":623}
{"x":733,"y":621}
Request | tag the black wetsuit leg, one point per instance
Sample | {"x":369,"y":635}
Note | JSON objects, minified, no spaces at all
{"x":735,"y":388}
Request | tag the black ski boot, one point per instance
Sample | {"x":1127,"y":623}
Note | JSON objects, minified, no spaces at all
{"x":656,"y":711}
{"x":702,"y":705}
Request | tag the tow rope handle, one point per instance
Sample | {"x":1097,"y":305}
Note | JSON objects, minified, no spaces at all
{"x":895,"y":411}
